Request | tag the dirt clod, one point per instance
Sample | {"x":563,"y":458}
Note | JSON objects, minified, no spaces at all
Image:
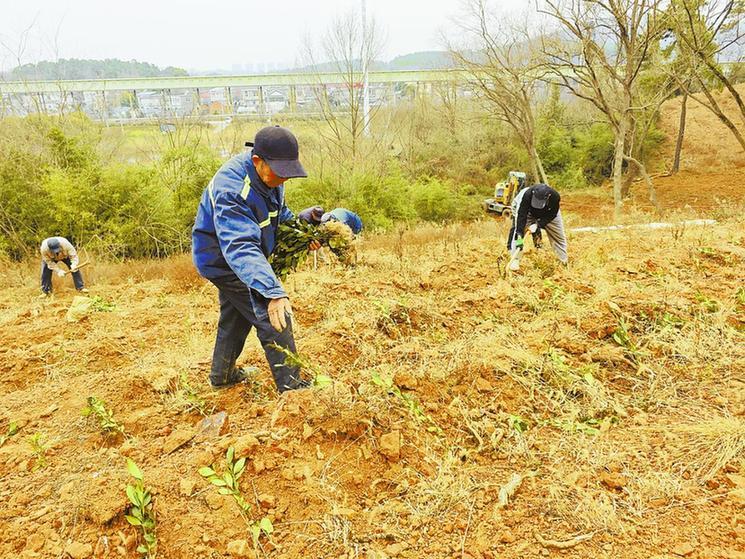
{"x":240,"y":548}
{"x":390,"y":445}
{"x":684,"y":549}
{"x":77,"y":550}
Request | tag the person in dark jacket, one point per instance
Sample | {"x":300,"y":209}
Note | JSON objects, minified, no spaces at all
{"x":537,"y":209}
{"x":233,"y":236}
{"x":311,"y":215}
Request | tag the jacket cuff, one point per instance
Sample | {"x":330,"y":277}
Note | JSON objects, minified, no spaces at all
{"x":273,"y":293}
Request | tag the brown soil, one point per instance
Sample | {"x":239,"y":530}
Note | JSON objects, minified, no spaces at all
{"x":614,"y":388}
{"x":478,"y":352}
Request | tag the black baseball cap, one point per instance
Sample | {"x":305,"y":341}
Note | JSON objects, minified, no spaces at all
{"x":541,"y":193}
{"x":278,"y":147}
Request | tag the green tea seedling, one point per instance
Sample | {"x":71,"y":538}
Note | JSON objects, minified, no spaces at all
{"x":294,"y":237}
{"x":39,"y":449}
{"x":97,"y":408}
{"x":228,"y":484}
{"x":519,"y":424}
{"x":709,"y":305}
{"x":99,"y":304}
{"x":297,"y":360}
{"x":192,"y":400}
{"x":407,"y":400}
{"x":12,"y":430}
{"x":142,"y":511}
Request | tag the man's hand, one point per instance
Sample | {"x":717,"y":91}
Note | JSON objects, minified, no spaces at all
{"x":314,"y":245}
{"x":278,"y":309}
{"x":533,"y":228}
{"x":519,"y":243}
{"x":61,"y":273}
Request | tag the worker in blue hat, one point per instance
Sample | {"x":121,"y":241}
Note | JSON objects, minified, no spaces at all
{"x":345,"y":216}
{"x":234,"y":234}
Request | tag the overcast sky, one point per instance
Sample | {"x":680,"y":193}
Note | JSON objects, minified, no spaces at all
{"x":205,"y":34}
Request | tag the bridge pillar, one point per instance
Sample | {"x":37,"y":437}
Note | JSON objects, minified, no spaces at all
{"x":197,"y":101}
{"x":262,"y":104}
{"x":229,"y":99}
{"x":104,"y":108}
{"x":293,"y":99}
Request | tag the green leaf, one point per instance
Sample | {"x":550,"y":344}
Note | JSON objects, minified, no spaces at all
{"x":255,"y":533}
{"x":217,"y":481}
{"x":132,"y":494}
{"x":134,"y":471}
{"x":132,"y":520}
{"x":238,"y":466}
{"x":321,"y":381}
{"x":229,"y":455}
{"x":206,"y":471}
{"x":142,"y":549}
{"x":225,"y":491}
{"x":266,"y":525}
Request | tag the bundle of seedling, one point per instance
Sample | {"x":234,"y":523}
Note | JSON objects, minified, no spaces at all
{"x":294,"y":238}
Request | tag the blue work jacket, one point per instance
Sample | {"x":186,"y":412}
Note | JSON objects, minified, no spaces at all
{"x":236,"y":227}
{"x":345,"y":216}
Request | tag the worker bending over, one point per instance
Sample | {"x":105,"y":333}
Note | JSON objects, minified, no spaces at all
{"x":537,"y":209}
{"x":53,"y":251}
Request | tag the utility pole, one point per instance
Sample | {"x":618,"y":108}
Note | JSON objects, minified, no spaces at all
{"x":365,"y":84}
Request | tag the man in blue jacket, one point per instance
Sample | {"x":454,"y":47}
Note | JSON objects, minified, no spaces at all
{"x":234,"y":233}
{"x":345,"y":216}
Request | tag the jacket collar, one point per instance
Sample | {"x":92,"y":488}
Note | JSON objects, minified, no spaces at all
{"x":256,"y":182}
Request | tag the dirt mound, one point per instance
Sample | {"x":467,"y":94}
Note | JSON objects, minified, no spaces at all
{"x":708,"y":145}
{"x":598,"y":408}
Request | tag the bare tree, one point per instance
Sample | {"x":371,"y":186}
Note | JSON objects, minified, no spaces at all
{"x":702,"y":31}
{"x":599,"y":54}
{"x":501,"y":61}
{"x":349,"y":47}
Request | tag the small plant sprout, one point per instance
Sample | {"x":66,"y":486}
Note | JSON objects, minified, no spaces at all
{"x":39,"y":449}
{"x":296,"y":360}
{"x":192,"y":400}
{"x":142,"y":512}
{"x":228,"y":484}
{"x":12,"y":430}
{"x":409,"y":402}
{"x":105,"y":417}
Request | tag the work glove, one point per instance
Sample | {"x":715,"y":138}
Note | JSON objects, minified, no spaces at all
{"x":61,"y":273}
{"x":519,"y":243}
{"x":279,"y":310}
{"x":533,"y":228}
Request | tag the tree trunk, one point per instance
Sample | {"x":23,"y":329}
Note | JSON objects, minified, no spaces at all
{"x":647,"y":179}
{"x":681,"y":134}
{"x":713,"y":106}
{"x":539,"y":166}
{"x":618,"y":166}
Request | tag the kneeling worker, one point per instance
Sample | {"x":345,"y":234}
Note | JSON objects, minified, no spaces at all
{"x":53,"y":251}
{"x":233,"y":235}
{"x":537,"y":208}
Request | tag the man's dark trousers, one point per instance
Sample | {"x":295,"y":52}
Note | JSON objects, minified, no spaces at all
{"x":240,"y":309}
{"x":46,"y":277}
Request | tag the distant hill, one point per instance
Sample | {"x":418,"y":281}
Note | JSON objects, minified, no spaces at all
{"x":76,"y":69}
{"x":425,"y":60}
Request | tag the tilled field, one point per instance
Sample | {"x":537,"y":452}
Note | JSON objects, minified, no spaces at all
{"x":594,"y":411}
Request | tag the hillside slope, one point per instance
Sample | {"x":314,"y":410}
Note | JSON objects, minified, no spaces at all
{"x":613,"y":390}
{"x":708,"y":145}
